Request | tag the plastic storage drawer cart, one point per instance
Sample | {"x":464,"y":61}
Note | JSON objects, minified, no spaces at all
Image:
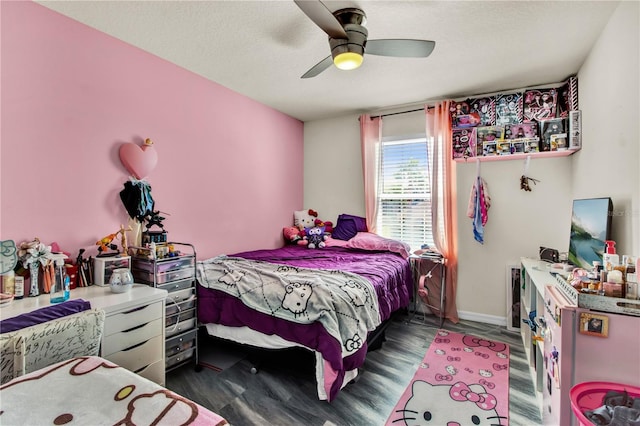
{"x":177,"y":275}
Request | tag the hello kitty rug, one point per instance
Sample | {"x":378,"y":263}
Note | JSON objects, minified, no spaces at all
{"x":463,"y":380}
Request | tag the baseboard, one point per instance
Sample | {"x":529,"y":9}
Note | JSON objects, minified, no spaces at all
{"x":484,"y":318}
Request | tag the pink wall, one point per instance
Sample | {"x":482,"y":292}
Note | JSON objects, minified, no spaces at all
{"x":229,"y":171}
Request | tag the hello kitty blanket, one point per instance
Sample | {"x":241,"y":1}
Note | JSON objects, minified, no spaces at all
{"x":344,"y":303}
{"x":93,"y":391}
{"x":463,"y":380}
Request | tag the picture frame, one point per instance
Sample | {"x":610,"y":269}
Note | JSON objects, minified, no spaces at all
{"x":587,"y":244}
{"x":594,"y":324}
{"x":513,"y":283}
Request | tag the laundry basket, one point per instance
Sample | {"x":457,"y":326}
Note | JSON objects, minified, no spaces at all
{"x":588,"y":396}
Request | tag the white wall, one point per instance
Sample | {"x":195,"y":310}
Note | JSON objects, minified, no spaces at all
{"x":519,"y":222}
{"x":609,"y":88}
{"x":333,"y":181}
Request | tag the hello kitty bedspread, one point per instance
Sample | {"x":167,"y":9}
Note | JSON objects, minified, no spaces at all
{"x":387,"y":271}
{"x":94,"y":391}
{"x":344,"y":303}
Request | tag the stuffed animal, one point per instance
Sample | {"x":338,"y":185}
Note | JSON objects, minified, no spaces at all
{"x":315,"y":237}
{"x":304,"y":219}
{"x":293,"y":235}
{"x":328,"y":226}
{"x":308,"y":219}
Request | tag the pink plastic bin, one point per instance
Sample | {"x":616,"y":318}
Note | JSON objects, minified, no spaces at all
{"x":588,"y":396}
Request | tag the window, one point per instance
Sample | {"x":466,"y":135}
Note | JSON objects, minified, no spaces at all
{"x":404,"y":195}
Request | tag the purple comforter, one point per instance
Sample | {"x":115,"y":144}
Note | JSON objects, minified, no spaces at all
{"x":389,"y":274}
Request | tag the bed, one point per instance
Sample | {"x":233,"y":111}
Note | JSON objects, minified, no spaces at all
{"x":328,"y":300}
{"x":90,"y":390}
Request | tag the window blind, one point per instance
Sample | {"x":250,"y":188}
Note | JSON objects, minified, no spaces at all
{"x":404,"y":194}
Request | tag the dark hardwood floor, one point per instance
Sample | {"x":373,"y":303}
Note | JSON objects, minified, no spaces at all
{"x":284,"y":390}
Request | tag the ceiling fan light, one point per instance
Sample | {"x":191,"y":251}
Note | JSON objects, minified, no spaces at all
{"x":348,"y":60}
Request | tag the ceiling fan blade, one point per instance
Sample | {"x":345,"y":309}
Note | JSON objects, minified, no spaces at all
{"x":322,"y":17}
{"x":401,"y":48}
{"x":319,"y":67}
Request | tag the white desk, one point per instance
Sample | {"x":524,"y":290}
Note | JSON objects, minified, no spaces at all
{"x":134,"y":325}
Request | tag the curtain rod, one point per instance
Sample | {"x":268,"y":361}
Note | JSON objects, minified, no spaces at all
{"x":401,"y":112}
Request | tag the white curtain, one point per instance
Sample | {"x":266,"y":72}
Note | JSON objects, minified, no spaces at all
{"x":442,"y":175}
{"x":370,"y":139}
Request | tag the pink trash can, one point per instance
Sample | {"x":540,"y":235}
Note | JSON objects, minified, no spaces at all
{"x":588,"y":396}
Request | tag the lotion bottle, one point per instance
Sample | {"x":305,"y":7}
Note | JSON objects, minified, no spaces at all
{"x":610,"y":259}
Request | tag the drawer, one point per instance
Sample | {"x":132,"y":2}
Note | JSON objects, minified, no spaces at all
{"x":184,"y":306}
{"x":177,"y":285}
{"x":132,"y":318}
{"x":180,"y":343}
{"x":134,"y":336}
{"x":177,"y":359}
{"x":180,"y":328}
{"x":164,"y":277}
{"x":172,"y":320}
{"x":179,"y":296}
{"x":166,"y":265}
{"x":139,"y":357}
{"x":154,"y":372}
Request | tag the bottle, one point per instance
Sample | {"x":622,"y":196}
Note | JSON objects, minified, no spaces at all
{"x":67,"y":285}
{"x":629,"y":264}
{"x":610,"y":258}
{"x":19,"y":287}
{"x":9,"y":282}
{"x":58,"y":293}
{"x":632,"y":286}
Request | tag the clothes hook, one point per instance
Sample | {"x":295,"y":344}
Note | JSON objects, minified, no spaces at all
{"x":524,"y":179}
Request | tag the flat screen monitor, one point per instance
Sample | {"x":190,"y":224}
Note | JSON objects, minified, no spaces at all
{"x":590,"y":228}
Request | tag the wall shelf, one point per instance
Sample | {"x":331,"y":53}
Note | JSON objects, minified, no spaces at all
{"x":522,"y":156}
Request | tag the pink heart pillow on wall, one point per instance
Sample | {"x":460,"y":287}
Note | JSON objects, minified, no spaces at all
{"x":139,"y":161}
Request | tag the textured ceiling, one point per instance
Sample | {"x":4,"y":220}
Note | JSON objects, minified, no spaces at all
{"x":261,"y":48}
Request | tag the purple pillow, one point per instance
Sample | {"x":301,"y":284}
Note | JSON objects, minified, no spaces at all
{"x":361,"y":222}
{"x":45,"y":314}
{"x":345,"y":229}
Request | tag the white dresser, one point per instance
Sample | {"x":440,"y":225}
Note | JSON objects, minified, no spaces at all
{"x":133,"y":330}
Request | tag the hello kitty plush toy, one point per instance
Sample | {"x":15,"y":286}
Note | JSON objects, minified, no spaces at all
{"x":304,"y":219}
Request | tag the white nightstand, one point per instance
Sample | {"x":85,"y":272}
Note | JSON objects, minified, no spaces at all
{"x":134,"y":325}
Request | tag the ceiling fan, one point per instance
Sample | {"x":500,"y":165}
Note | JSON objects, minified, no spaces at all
{"x":348,"y":38}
